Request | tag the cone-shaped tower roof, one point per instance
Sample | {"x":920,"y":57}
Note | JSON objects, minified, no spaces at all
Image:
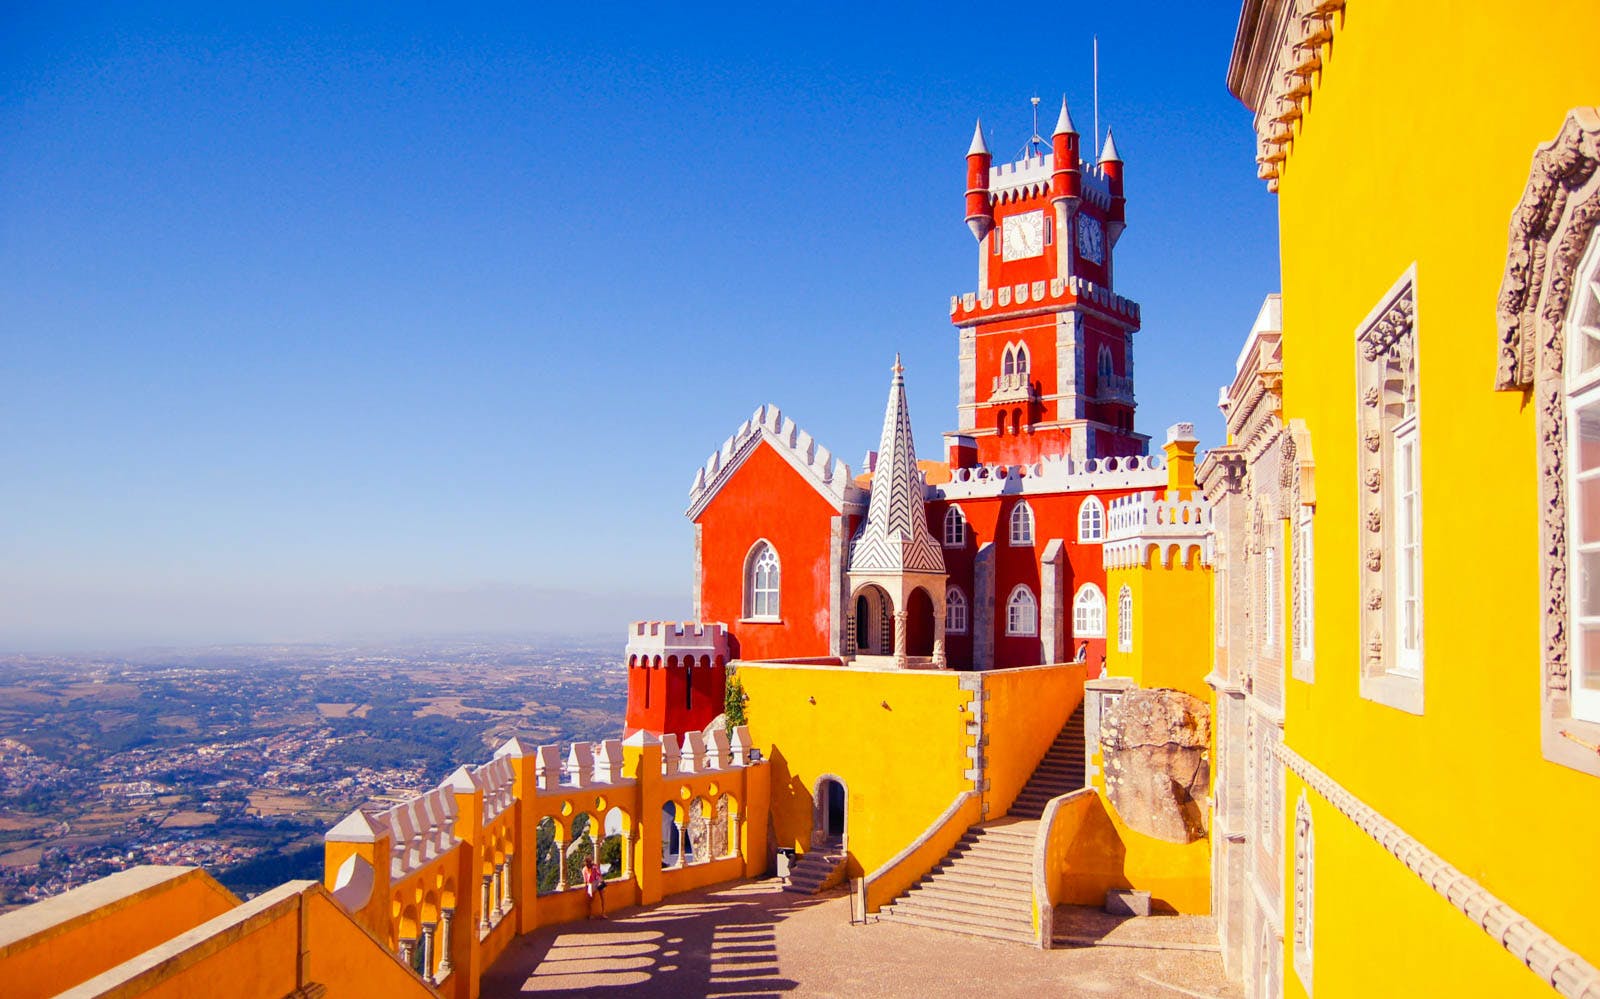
{"x":978,"y":147}
{"x":896,"y":536}
{"x":1109,"y":153}
{"x":1064,"y":124}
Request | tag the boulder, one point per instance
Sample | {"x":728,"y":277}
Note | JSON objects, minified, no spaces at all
{"x":1155,"y":747}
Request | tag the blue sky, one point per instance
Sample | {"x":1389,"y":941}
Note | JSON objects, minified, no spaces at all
{"x":324,"y":324}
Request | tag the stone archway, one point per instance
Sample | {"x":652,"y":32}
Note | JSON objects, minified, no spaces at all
{"x":830,"y":819}
{"x":873,"y":621}
{"x":920,"y":626}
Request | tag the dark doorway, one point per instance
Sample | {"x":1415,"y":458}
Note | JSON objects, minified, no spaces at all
{"x":833,"y":809}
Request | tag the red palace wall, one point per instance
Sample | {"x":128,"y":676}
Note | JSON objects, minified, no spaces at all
{"x":767,"y":498}
{"x":666,"y":696}
{"x":989,"y":519}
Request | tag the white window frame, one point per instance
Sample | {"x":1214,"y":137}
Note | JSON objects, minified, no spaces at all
{"x":1124,"y":619}
{"x":955,"y":528}
{"x":1089,"y":612}
{"x":1022,"y":612}
{"x":1406,"y":469}
{"x":762,"y":603}
{"x":1094,"y":531}
{"x":1271,"y":606}
{"x":1582,"y":390}
{"x":955,"y":612}
{"x":1021,"y":521}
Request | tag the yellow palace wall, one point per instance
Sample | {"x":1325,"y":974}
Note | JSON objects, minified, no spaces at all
{"x":1415,"y":148}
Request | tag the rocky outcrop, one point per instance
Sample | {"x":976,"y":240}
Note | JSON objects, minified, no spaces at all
{"x":1155,"y":747}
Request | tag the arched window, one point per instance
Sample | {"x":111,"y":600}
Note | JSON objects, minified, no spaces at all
{"x":1104,"y":365}
{"x":955,"y":612}
{"x":1091,"y":520}
{"x":1582,"y":377}
{"x":1008,"y":367}
{"x":1021,"y":524}
{"x":955,"y":528}
{"x":1022,"y":613}
{"x":1022,"y":359}
{"x":1089,"y":613}
{"x":1125,"y":620}
{"x":761,"y":574}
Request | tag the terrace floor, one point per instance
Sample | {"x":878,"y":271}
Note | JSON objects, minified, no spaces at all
{"x":753,"y":939}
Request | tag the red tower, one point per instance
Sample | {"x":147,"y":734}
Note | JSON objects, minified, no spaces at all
{"x":1046,"y":344}
{"x":676,"y":676}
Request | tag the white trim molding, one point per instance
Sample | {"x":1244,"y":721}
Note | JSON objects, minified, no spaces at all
{"x":1562,"y":968}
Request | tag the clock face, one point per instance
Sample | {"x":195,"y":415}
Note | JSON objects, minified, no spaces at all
{"x":1022,"y":236}
{"x":1091,"y":240}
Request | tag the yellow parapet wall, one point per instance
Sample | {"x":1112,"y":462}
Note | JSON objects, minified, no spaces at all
{"x":896,"y":739}
{"x":1024,"y":711}
{"x":53,"y":945}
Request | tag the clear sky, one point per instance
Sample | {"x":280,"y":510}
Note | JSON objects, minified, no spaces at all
{"x":396,"y":321}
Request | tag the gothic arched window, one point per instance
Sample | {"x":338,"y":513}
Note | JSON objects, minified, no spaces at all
{"x":761,"y":577}
{"x":1022,"y":613}
{"x":1022,"y":524}
{"x":1091,"y":520}
{"x":955,"y":528}
{"x":1089,"y":613}
{"x":955,"y":612}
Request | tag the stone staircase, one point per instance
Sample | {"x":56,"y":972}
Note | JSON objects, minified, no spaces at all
{"x":984,"y":885}
{"x":819,"y":868}
{"x":1059,"y":772}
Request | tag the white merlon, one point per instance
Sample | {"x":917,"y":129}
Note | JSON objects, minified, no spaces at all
{"x":1030,"y":177}
{"x":1053,"y":475}
{"x":1067,"y":290}
{"x":651,"y":639}
{"x":829,"y":475}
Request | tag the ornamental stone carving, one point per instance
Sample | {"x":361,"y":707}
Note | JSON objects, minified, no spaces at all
{"x":1551,"y":229}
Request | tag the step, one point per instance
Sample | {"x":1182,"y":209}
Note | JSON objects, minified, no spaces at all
{"x":999,"y":847}
{"x":1002,"y":906}
{"x":970,"y":929}
{"x":1020,"y":920}
{"x":984,"y":879}
{"x":998,"y":859}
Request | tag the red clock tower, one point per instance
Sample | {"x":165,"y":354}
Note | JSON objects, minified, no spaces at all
{"x":1046,"y":344}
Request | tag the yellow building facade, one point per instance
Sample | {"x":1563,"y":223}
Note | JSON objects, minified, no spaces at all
{"x":1438,"y":779}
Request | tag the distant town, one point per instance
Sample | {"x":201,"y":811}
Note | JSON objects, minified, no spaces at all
{"x":239,"y":758}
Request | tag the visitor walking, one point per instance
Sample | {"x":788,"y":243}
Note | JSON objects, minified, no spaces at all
{"x":595,"y":882}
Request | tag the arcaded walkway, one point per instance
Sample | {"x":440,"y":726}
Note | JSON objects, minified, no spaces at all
{"x":753,"y":940}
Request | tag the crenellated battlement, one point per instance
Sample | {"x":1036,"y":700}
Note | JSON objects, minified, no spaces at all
{"x":1053,"y":475}
{"x":989,"y":304}
{"x":830,"y":475}
{"x":1030,"y":177}
{"x":1148,"y":523}
{"x":649,"y":640}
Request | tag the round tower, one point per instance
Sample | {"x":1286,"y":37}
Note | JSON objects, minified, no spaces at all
{"x":980,"y":216}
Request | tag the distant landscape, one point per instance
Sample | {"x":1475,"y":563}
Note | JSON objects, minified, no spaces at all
{"x":239,"y":758}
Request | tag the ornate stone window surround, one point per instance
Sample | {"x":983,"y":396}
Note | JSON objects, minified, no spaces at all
{"x":1305,"y":886}
{"x":1550,"y":258}
{"x":1389,"y":499}
{"x":1125,"y":620}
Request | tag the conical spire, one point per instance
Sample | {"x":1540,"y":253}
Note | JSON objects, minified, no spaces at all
{"x":978,"y":147}
{"x":1064,"y":124}
{"x":1109,"y":153}
{"x":896,"y":536}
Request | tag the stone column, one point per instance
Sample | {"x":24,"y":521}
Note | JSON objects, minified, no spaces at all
{"x":446,"y":918}
{"x":627,"y":856}
{"x":683,"y":842}
{"x":901,"y":619}
{"x":488,"y":894}
{"x":507,"y":876}
{"x":427,"y":951}
{"x":561,"y":866}
{"x":938,"y":638}
{"x":408,"y":947}
{"x":735,"y":843}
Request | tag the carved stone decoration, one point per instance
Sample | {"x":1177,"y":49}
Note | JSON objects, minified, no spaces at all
{"x":1385,"y":370}
{"x":1156,"y":748}
{"x":1304,"y":885}
{"x":1287,"y":466}
{"x":1551,"y":229}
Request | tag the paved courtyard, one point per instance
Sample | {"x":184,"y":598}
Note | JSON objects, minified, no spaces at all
{"x":753,"y":939}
